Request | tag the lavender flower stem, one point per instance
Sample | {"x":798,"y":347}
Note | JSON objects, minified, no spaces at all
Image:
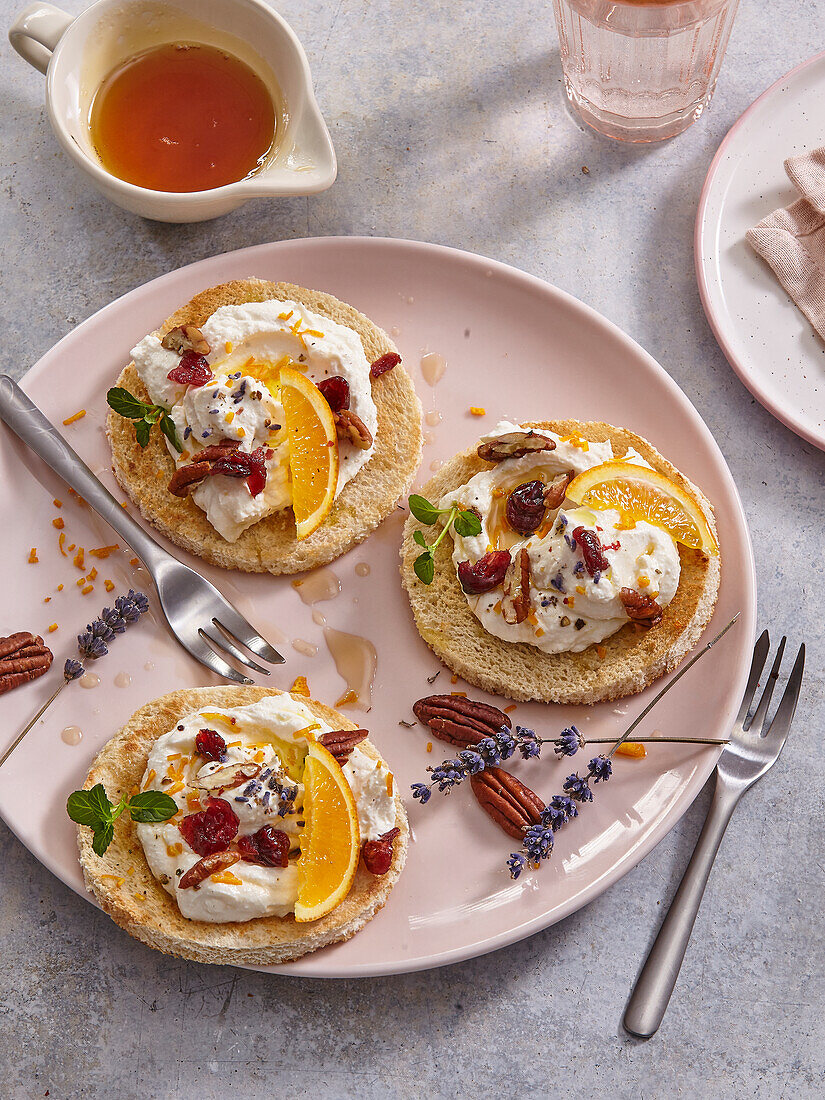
{"x":668,"y":686}
{"x":26,"y":728}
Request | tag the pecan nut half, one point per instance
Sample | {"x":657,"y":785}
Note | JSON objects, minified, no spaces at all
{"x":556,"y":491}
{"x":350,"y":426}
{"x":508,"y":801}
{"x":185,"y":338}
{"x":23,"y":657}
{"x":209,"y":865}
{"x":514,"y":445}
{"x":459,"y":721}
{"x":515,"y":605}
{"x":640,"y":609}
{"x":341,"y":742}
{"x":223,"y":779}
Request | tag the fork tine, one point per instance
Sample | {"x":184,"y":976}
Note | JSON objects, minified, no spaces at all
{"x":781,"y":722}
{"x":757,"y":723}
{"x":233,"y":651}
{"x":234,"y":624}
{"x":208,"y":657}
{"x":760,"y":655}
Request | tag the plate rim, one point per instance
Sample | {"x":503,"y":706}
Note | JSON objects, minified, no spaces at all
{"x":702,"y":231}
{"x":694,"y":785}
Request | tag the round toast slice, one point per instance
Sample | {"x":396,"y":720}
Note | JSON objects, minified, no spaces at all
{"x":271,"y":545}
{"x":622,"y":664}
{"x":127,"y":890}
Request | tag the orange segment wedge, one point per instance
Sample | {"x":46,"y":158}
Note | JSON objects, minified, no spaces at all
{"x":313,"y":450}
{"x":639,"y":493}
{"x":331,"y":841}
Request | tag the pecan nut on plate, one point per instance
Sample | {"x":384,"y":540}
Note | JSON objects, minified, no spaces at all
{"x":514,"y":445}
{"x":515,"y":606}
{"x":508,"y":801}
{"x":459,"y":721}
{"x":23,"y":657}
{"x":341,"y":742}
{"x":185,"y":338}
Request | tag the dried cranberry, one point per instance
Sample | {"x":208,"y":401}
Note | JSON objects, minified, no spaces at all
{"x":378,"y":853}
{"x":269,"y":847}
{"x":526,"y":507}
{"x":192,"y":370}
{"x":252,"y":466}
{"x":210,"y":744}
{"x":384,"y":363}
{"x":594,"y":559}
{"x":335,"y":391}
{"x":212,"y":830}
{"x":486,"y":574}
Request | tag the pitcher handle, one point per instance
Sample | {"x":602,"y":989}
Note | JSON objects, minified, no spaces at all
{"x":36,"y":32}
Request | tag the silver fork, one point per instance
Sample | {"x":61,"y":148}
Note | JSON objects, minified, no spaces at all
{"x":754,"y":747}
{"x":204,"y":623}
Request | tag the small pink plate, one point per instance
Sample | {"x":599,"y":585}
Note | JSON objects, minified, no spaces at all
{"x":514,"y":346}
{"x":766,"y":338}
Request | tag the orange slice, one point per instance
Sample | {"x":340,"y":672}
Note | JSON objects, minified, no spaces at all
{"x":639,"y":493}
{"x":331,"y":841}
{"x":313,"y":450}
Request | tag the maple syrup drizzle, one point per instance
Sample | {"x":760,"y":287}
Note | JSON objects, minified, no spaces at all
{"x":433,"y":366}
{"x":322,"y":584}
{"x":355,"y":659}
{"x":183,"y":117}
{"x":71,"y":735}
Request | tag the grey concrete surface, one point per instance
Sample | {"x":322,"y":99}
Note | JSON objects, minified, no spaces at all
{"x":450,"y":126}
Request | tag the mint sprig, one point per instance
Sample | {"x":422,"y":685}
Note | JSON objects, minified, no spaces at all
{"x":464,"y":522}
{"x":93,"y":808}
{"x":144,"y":415}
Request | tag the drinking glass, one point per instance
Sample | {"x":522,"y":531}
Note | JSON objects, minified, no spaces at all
{"x":642,"y":70}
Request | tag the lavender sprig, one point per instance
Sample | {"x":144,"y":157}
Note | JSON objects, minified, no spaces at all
{"x":538,"y":839}
{"x":91,"y":645}
{"x":486,"y":753}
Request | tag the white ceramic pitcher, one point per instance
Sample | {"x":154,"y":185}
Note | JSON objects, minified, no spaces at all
{"x":77,"y":53}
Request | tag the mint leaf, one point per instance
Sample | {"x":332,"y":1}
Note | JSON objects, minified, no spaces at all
{"x":102,"y":838}
{"x":167,"y":426}
{"x":424,"y":567}
{"x":143,"y":430}
{"x":466,"y":524}
{"x":90,"y":807}
{"x":152,"y":806}
{"x":423,"y":511}
{"x":419,"y":538}
{"x":126,"y":404}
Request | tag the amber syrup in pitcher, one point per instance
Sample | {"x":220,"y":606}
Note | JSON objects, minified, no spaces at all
{"x":183,"y":117}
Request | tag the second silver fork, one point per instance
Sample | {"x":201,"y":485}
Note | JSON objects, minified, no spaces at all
{"x":754,"y":747}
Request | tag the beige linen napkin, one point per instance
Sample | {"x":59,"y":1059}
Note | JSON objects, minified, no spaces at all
{"x":792,"y":240}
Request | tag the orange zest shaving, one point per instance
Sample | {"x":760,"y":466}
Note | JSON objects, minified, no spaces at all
{"x":33,"y":558}
{"x":300,"y":686}
{"x":58,"y":522}
{"x":108,"y":585}
{"x":631,"y":748}
{"x":57,"y":503}
{"x":348,"y":698}
{"x":75,"y":417}
{"x":477,"y":410}
{"x":227,"y":878}
{"x":80,"y":558}
{"x":104,"y":551}
{"x":149,"y":779}
{"x":52,"y":628}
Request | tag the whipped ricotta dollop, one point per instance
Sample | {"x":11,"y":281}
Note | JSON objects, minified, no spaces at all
{"x":570,"y":609}
{"x":263,"y":733}
{"x":248,"y":345}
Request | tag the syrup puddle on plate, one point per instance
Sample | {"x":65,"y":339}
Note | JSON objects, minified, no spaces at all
{"x":355,"y":658}
{"x":433,"y":418}
{"x":362,"y":569}
{"x":72,"y":735}
{"x":306,"y":648}
{"x":89,"y":680}
{"x":123,"y":680}
{"x":433,"y":366}
{"x":322,"y":584}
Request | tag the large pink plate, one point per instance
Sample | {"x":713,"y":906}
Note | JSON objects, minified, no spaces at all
{"x":513,"y":345}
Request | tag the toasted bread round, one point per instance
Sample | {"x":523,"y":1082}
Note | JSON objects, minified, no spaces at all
{"x":623,"y":664}
{"x":127,"y":890}
{"x":271,"y":545}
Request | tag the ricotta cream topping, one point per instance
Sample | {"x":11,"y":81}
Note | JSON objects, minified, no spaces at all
{"x":247,"y":343}
{"x":570,"y":609}
{"x":259,"y":733}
